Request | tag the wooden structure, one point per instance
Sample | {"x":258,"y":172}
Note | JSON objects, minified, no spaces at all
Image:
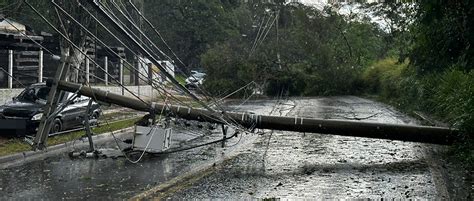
{"x":20,"y":57}
{"x":113,"y":63}
{"x":24,"y":62}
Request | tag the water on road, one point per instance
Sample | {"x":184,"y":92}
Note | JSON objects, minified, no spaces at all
{"x":297,"y":165}
{"x":274,"y":164}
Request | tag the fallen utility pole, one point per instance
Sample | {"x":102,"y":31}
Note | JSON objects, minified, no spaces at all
{"x":425,"y":134}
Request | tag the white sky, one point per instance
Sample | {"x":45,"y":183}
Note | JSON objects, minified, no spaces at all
{"x":317,"y":3}
{"x":345,"y":9}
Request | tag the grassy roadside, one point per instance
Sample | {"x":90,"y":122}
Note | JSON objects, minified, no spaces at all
{"x":17,"y":145}
{"x":181,"y":79}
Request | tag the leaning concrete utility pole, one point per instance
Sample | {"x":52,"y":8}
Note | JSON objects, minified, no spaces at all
{"x":425,"y":134}
{"x":41,"y":136}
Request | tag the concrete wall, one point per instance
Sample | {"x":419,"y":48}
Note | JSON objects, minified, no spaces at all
{"x":142,"y":91}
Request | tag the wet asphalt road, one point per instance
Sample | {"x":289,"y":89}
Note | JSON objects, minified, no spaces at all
{"x":293,"y":165}
{"x":274,"y":165}
{"x":59,"y":177}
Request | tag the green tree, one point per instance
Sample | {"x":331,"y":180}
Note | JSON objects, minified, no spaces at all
{"x":193,"y":26}
{"x":321,"y":53}
{"x":443,"y":36}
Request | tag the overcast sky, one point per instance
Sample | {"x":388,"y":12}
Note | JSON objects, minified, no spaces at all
{"x":314,"y":2}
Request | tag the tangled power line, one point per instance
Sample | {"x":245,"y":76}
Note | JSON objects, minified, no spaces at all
{"x":120,"y":19}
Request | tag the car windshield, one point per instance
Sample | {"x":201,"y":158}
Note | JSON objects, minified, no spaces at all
{"x":34,"y":93}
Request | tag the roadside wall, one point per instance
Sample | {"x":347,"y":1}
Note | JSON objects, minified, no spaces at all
{"x":142,"y":91}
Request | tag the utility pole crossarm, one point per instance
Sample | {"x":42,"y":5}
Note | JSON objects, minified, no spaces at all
{"x":411,"y":133}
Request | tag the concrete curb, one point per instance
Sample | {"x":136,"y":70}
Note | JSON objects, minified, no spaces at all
{"x":18,"y":158}
{"x":159,"y":192}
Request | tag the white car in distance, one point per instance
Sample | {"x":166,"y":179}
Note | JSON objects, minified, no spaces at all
{"x":196,"y":79}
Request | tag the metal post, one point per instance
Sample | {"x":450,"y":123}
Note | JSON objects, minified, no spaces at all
{"x":87,"y":70}
{"x":137,"y":71}
{"x":40,"y":66}
{"x":137,"y":81}
{"x":88,"y":126}
{"x":106,"y":68}
{"x":150,"y":79}
{"x":121,"y":75}
{"x":150,"y":74}
{"x":76,"y":74}
{"x":10,"y":69}
{"x":224,"y":133}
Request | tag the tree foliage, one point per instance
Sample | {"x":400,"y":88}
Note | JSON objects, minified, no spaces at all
{"x":320,"y":52}
{"x":192,"y":26}
{"x":443,"y":36}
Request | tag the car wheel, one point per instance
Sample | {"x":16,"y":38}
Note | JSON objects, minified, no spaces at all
{"x":95,"y":115}
{"x":94,"y":118}
{"x":57,"y":126}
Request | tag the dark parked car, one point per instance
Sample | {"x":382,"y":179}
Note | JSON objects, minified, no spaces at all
{"x":23,"y":114}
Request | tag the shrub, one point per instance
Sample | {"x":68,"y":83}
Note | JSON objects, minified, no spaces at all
{"x":384,"y":77}
{"x":448,"y":95}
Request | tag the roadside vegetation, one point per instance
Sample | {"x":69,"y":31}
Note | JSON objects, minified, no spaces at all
{"x":420,"y":59}
{"x":312,"y":52}
{"x":436,"y":75}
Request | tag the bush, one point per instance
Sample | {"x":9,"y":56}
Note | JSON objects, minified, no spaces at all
{"x":449,"y":96}
{"x":455,"y":103}
{"x":384,"y":77}
{"x":455,"y":98}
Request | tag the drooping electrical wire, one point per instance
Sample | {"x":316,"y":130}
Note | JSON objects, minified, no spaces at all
{"x":100,"y":7}
{"x":75,"y":46}
{"x":82,"y":52}
{"x":132,"y":51}
{"x":259,"y":37}
{"x":263,"y":35}
{"x":258,"y":33}
{"x":207,"y":94}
